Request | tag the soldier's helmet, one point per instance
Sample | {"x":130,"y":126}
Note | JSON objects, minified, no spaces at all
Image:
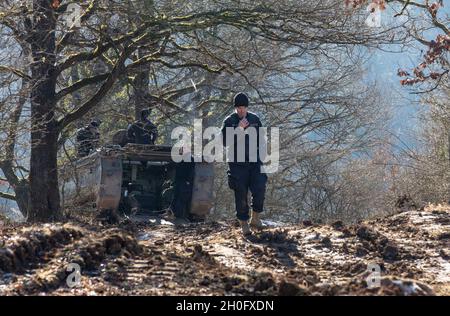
{"x":145,"y":113}
{"x":96,"y":122}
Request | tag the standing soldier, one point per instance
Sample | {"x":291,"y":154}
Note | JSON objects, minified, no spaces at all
{"x":143,"y":131}
{"x":88,"y":138}
{"x":178,"y":210}
{"x":245,"y":175}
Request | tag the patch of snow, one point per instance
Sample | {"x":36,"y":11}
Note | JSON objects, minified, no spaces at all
{"x":145,"y":236}
{"x":439,"y":268}
{"x":230,"y":257}
{"x":164,"y":222}
{"x":444,"y":273}
{"x":273,"y":223}
{"x":314,"y":236}
{"x":160,"y":222}
{"x":407,"y":289}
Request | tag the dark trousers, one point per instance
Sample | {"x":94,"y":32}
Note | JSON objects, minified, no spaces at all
{"x":182,"y":193}
{"x":243,"y":177}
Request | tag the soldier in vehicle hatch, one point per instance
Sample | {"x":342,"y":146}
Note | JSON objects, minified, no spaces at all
{"x":88,"y":138}
{"x":143,"y":131}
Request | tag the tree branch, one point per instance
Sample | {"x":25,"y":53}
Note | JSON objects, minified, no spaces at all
{"x":80,"y":84}
{"x":409,"y":2}
{"x":88,"y":105}
{"x":22,"y":169}
{"x":166,"y":103}
{"x":7,"y":196}
{"x":64,"y":40}
{"x":100,"y":49}
{"x":15,"y":71}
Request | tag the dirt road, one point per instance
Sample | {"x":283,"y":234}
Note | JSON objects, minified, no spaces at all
{"x":410,"y":249}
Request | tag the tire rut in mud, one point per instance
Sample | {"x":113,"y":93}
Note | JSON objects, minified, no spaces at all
{"x":77,"y":246}
{"x":31,"y":246}
{"x":215,"y":259}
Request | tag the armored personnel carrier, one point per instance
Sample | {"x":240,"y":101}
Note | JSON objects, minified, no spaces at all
{"x":133,"y":178}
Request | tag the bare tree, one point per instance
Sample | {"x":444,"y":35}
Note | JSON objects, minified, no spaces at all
{"x":424,"y":19}
{"x":166,"y":37}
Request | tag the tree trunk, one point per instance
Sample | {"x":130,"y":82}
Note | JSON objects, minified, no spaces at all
{"x":22,"y":192}
{"x":43,"y":174}
{"x":142,"y":80}
{"x":141,"y":87}
{"x":21,"y":187}
{"x":44,"y":129}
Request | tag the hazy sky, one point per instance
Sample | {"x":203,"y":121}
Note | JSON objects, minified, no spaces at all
{"x":383,"y":67}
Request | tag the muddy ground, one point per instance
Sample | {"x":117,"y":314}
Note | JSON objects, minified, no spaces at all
{"x":150,"y":257}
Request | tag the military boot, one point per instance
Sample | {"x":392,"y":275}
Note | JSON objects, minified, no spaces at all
{"x":245,"y":228}
{"x":168,"y":215}
{"x":255,"y":221}
{"x":180,"y":221}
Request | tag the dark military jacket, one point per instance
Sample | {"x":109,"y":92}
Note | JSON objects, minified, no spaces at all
{"x":233,"y":121}
{"x":142,"y":132}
